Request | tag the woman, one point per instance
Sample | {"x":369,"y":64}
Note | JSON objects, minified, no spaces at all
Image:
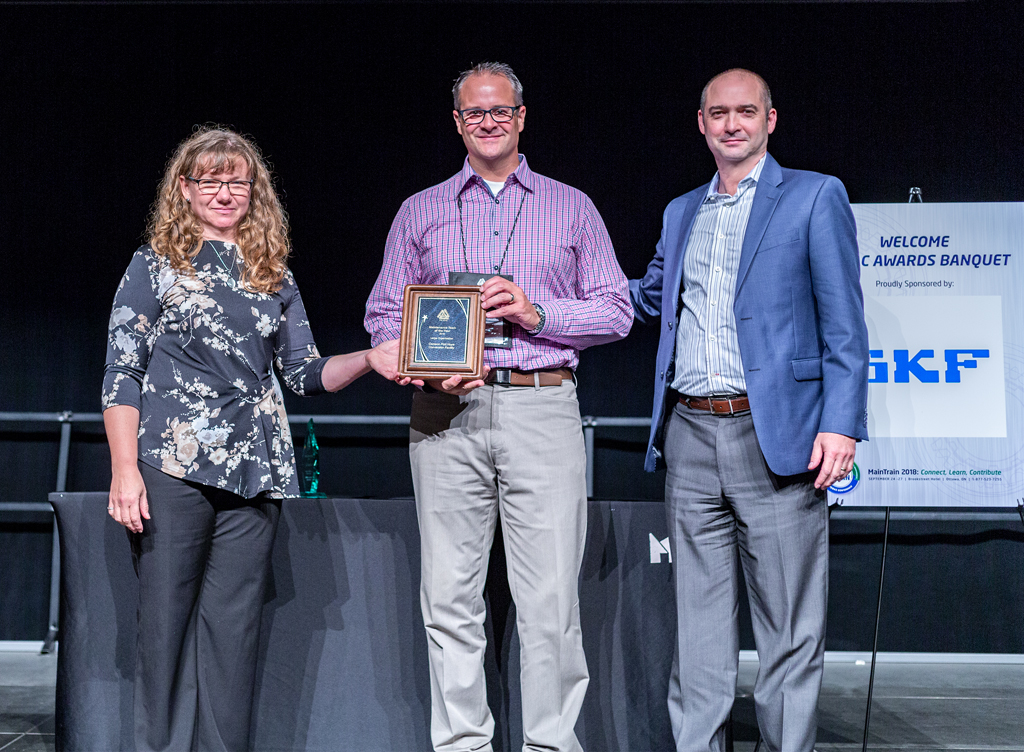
{"x":200,"y":447}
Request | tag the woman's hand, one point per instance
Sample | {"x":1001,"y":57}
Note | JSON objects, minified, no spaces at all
{"x":128,"y":505}
{"x":342,"y":370}
{"x":384,"y":360}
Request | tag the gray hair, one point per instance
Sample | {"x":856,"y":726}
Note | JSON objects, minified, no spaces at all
{"x":766,"y":94}
{"x":494,"y":69}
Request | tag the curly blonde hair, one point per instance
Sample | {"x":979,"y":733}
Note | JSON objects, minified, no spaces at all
{"x":262,"y":236}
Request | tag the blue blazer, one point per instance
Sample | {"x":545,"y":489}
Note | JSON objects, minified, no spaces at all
{"x":799,"y":314}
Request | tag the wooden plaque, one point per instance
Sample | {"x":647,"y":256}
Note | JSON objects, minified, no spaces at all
{"x":442,"y":332}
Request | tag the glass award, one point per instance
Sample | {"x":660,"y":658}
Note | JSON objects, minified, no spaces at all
{"x":310,"y":465}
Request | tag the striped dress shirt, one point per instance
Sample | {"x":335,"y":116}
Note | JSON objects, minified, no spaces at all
{"x":560,"y":255}
{"x":708,"y":358}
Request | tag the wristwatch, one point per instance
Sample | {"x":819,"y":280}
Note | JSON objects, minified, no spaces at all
{"x":540,"y":324}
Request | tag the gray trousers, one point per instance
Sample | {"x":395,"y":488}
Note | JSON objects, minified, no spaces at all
{"x":727,"y":509}
{"x":203,"y":562}
{"x":516,"y":452}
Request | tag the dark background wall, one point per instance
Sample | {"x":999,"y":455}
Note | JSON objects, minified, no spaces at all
{"x":351,"y":103}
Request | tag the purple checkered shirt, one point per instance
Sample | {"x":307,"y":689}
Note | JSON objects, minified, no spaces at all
{"x":561,"y":256}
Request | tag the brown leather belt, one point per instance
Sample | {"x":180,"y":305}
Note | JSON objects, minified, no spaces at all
{"x":716,"y":405}
{"x":514,"y":377}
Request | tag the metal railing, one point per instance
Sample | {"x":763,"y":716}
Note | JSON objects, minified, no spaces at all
{"x":64,"y":419}
{"x":67,"y":418}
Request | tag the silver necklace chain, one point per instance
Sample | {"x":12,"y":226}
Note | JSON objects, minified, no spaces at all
{"x":234,"y":260}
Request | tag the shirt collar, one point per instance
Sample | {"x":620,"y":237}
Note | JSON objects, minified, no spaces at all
{"x":751,"y":179}
{"x":522,"y":174}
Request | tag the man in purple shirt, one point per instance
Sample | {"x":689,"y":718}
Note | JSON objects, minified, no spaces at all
{"x":511,"y":444}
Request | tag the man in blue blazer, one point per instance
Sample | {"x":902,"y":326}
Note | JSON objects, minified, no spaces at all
{"x":760,"y":396}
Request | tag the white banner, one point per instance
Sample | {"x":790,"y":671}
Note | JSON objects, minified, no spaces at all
{"x":944,"y":303}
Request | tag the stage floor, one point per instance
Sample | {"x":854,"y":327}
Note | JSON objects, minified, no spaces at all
{"x":918,"y":707}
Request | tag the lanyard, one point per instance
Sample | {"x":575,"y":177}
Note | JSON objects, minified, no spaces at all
{"x":462,"y":232}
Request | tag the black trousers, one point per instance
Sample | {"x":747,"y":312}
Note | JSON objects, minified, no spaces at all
{"x":203,"y":562}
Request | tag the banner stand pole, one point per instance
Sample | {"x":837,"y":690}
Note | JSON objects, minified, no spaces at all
{"x":915,"y":196}
{"x":878,"y":617}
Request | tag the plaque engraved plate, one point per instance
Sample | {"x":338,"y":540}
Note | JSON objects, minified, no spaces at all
{"x":442,"y":332}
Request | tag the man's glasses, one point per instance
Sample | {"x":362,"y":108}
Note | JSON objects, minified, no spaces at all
{"x":499,"y":114}
{"x":210,"y":186}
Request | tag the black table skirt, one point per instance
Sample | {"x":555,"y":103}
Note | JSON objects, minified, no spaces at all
{"x":343,"y":654}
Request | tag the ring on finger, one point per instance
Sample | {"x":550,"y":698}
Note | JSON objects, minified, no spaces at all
{"x":511,"y":298}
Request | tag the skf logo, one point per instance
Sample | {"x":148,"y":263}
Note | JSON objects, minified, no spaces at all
{"x":848,"y":483}
{"x":659,"y":548}
{"x":905,"y":366}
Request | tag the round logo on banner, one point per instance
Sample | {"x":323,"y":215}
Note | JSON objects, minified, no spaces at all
{"x":846,"y":484}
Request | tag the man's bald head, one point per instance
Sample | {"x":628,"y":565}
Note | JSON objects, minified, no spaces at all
{"x":766,"y":94}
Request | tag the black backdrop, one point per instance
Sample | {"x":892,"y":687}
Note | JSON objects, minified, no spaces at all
{"x":351,"y":104}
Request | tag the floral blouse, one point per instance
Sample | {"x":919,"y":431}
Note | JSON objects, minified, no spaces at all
{"x":194,"y":355}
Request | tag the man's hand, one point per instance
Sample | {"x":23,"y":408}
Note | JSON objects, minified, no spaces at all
{"x":506,"y":300}
{"x":384,"y":360}
{"x":834,"y":453}
{"x":454,"y":385}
